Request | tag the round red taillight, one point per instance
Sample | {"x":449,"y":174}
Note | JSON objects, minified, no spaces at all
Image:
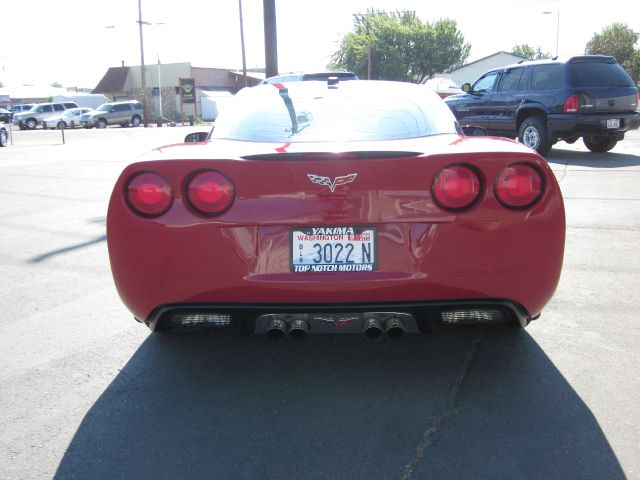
{"x":519,"y":186}
{"x":210,"y":192}
{"x":456,"y":187}
{"x":149,"y":194}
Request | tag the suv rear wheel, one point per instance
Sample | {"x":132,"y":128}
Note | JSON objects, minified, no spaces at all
{"x":599,"y":144}
{"x":135,"y":121}
{"x":533,"y":134}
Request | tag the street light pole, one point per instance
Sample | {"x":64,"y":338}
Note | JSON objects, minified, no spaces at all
{"x":557,"y":29}
{"x":142,"y":72}
{"x":558,"y":35}
{"x":244,"y":56}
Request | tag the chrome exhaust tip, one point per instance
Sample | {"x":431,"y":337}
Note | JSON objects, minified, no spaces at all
{"x":298,"y":330}
{"x":372,"y":329}
{"x":394,"y":328}
{"x":277,"y":329}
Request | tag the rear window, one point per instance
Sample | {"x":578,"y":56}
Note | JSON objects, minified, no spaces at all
{"x":598,"y":74}
{"x":312,"y":112}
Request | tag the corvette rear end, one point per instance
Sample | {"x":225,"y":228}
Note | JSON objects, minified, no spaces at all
{"x":345,"y":235}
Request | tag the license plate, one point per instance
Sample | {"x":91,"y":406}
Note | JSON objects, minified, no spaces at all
{"x":333,"y":249}
{"x":613,"y":123}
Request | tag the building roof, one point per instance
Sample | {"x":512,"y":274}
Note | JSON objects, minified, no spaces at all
{"x":113,"y":81}
{"x":502,"y":52}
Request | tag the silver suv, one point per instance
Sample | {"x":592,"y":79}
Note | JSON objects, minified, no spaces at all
{"x":32,"y":118}
{"x":120,"y":113}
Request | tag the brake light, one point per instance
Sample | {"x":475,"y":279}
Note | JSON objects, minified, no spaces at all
{"x":456,"y":187}
{"x":210,"y":192}
{"x":571,"y":104}
{"x":149,"y":194}
{"x":519,"y":186}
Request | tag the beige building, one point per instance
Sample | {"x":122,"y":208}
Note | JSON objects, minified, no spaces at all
{"x":163,"y":87}
{"x":473,"y":70}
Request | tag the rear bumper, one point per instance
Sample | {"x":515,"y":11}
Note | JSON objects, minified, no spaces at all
{"x":567,"y":125}
{"x":246,"y":319}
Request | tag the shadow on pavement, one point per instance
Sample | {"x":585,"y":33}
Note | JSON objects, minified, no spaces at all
{"x":594,"y":160}
{"x":71,"y":248}
{"x":462,"y":404}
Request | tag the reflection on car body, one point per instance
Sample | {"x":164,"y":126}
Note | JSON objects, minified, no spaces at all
{"x":313,"y":208}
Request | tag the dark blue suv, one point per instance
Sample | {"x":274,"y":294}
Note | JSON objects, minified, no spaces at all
{"x":541,"y":102}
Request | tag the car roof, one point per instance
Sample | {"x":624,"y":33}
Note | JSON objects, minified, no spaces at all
{"x":311,"y":76}
{"x":563,"y":60}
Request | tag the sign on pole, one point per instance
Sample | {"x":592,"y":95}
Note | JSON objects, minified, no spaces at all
{"x":187,"y":90}
{"x":187,"y":94}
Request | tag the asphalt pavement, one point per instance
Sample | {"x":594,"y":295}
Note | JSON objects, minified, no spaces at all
{"x":88,"y":393}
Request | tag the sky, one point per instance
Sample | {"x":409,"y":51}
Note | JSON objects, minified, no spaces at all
{"x":67,"y":41}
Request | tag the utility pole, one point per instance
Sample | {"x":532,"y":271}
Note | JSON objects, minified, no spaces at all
{"x":270,"y":38}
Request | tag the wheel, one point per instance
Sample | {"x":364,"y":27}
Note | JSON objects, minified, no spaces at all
{"x":102,"y":123}
{"x":31,"y":123}
{"x":135,"y":121}
{"x":3,"y":137}
{"x":533,"y":134}
{"x":599,"y":144}
{"x":61,"y":124}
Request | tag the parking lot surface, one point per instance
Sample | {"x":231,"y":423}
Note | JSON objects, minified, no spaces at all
{"x":89,"y":393}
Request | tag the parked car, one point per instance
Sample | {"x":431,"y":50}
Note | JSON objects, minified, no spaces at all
{"x":340,"y":75}
{"x":125,"y":113}
{"x":30,"y":119}
{"x":541,"y":102}
{"x":5,"y":115}
{"x":21,"y":107}
{"x":70,"y":118}
{"x":356,"y":208}
{"x":4,"y":135}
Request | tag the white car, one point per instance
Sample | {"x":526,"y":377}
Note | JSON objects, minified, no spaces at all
{"x":68,"y":119}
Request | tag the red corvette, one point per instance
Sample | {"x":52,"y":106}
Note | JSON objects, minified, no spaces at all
{"x":323,"y":207}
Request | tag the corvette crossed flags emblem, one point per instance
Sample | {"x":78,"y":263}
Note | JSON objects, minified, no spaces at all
{"x":332,"y":184}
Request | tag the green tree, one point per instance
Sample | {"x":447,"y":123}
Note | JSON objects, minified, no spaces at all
{"x":527,"y":51}
{"x":401,"y":46}
{"x":620,"y":41}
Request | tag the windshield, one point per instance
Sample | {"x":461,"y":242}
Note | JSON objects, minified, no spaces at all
{"x":315,"y":112}
{"x":105,"y":107}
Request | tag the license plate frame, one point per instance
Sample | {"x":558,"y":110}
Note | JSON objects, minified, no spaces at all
{"x":613,"y":123}
{"x":333,"y":249}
